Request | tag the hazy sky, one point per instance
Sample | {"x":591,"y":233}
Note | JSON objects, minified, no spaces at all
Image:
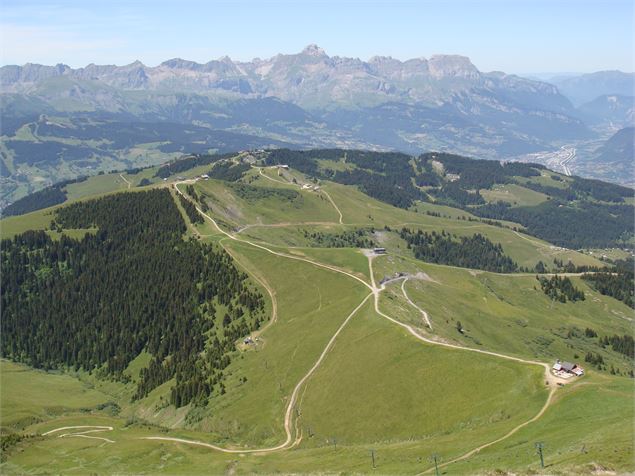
{"x":517,"y":36}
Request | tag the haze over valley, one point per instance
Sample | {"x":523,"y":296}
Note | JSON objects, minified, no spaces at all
{"x":356,"y":258}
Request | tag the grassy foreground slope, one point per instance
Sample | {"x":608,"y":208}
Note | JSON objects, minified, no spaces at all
{"x":588,"y":429}
{"x":311,"y":304}
{"x":29,"y":396}
{"x":382,"y":386}
{"x":597,"y":429}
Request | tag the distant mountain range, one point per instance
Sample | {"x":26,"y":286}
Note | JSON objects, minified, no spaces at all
{"x":59,"y":122}
{"x":608,"y":109}
{"x":619,"y":150}
{"x":586,"y":87}
{"x":310,"y":79}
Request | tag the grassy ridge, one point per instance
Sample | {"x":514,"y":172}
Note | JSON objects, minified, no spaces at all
{"x":312,"y":303}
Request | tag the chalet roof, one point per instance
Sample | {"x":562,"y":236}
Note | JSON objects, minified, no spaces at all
{"x":568,"y":366}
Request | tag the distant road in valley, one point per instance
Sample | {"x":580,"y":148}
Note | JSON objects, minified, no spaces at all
{"x":559,"y":160}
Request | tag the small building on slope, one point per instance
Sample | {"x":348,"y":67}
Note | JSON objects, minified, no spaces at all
{"x":568,"y":368}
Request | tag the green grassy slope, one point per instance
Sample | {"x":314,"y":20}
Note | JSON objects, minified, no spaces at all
{"x":588,"y":430}
{"x":29,"y":396}
{"x":508,"y":314}
{"x":383,"y":386}
{"x":312,"y":303}
{"x":308,"y":206}
{"x":360,"y":210}
{"x":514,"y":194}
{"x":587,"y":424}
{"x":525,"y":250}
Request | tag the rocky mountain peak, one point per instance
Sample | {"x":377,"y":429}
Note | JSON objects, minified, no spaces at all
{"x":179,"y":63}
{"x":382,"y":59}
{"x":313,"y":50}
{"x":443,"y":66}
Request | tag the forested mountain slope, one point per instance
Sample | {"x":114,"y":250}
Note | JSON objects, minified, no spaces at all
{"x":573,"y":212}
{"x":133,"y":285}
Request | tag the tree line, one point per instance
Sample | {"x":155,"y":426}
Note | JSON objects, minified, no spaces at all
{"x":228,"y":171}
{"x":386,"y":176}
{"x":476,"y":174}
{"x":190,"y":209}
{"x":359,"y":238}
{"x":560,"y":289}
{"x":47,"y":197}
{"x":617,"y":284}
{"x":475,"y":251}
{"x":581,"y":225}
{"x":622,"y":344}
{"x":189,"y":162}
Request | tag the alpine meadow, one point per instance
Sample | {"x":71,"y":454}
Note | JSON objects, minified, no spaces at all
{"x":312,"y":263}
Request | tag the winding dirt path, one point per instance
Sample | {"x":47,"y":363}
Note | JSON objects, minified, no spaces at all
{"x":549,"y":377}
{"x":126,"y":180}
{"x":339,"y":212}
{"x":423,"y":313}
{"x":82,"y":434}
{"x":264,"y":248}
{"x":337,"y":209}
{"x":375,"y":292}
{"x":288,"y":416}
{"x":263,"y":282}
{"x":270,"y":178}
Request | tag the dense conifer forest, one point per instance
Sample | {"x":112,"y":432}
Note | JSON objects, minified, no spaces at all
{"x":229,"y":171}
{"x":619,"y":285}
{"x":560,"y":289}
{"x":190,"y":209}
{"x":46,"y":197}
{"x":135,"y":285}
{"x":475,"y":252}
{"x":359,"y":238}
{"x":585,"y":225}
{"x":475,"y":174}
{"x":575,"y":217}
{"x":189,"y":162}
{"x":386,"y":176}
{"x":453,"y":195}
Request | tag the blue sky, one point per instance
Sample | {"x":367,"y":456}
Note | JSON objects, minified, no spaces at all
{"x":517,"y":36}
